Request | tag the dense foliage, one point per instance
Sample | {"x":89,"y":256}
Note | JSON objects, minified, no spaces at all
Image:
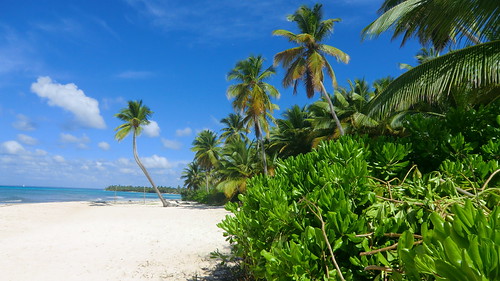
{"x":350,"y":201}
{"x":410,"y":193}
{"x":162,"y":189}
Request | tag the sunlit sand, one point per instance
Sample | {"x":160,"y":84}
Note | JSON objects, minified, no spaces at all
{"x":84,"y":241}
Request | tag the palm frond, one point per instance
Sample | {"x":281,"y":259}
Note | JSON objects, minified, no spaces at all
{"x":292,"y":37}
{"x":286,"y":57}
{"x":338,"y":54}
{"x":476,"y":66}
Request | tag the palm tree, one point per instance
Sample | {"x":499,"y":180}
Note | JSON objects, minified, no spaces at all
{"x":239,"y":162}
{"x":307,"y":62}
{"x":193,"y":176}
{"x":235,"y":128}
{"x":471,"y":71}
{"x":293,"y":134}
{"x":206,"y":146}
{"x":424,"y":55}
{"x":252,"y":97}
{"x":135,"y":117}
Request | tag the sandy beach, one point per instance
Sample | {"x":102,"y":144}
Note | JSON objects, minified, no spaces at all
{"x":85,"y":241}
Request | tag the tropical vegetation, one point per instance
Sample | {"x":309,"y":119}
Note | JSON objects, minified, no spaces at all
{"x":398,"y":179}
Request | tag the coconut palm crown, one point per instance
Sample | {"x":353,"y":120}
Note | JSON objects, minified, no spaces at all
{"x":307,"y":63}
{"x":252,"y":96}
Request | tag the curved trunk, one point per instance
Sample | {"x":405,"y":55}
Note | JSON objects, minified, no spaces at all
{"x":258,"y":134}
{"x":136,"y":157}
{"x":332,"y":110}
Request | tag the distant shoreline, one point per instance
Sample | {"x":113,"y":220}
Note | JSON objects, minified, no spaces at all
{"x":31,"y":194}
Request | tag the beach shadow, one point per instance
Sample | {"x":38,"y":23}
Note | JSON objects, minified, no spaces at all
{"x":222,"y":272}
{"x":196,"y":205}
{"x":99,"y":203}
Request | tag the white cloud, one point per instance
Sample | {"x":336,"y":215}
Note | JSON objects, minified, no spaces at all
{"x":70,"y":139}
{"x":23,"y":123}
{"x":103,"y":145}
{"x":152,"y":129}
{"x":134,"y":74}
{"x":40,"y":152}
{"x":59,"y":159}
{"x":124,"y":162}
{"x":12,"y":147}
{"x":27,"y":139}
{"x":183,"y":132}
{"x":171,"y":144}
{"x":72,"y":99}
{"x":156,"y":161}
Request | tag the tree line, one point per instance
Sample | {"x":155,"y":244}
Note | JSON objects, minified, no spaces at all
{"x":129,"y":188}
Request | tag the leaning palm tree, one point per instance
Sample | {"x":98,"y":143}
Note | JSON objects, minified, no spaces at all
{"x":135,"y":117}
{"x":206,"y":146}
{"x":252,"y":97}
{"x":473,"y":70}
{"x":307,"y":62}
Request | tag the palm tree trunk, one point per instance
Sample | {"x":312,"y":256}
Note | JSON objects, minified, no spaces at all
{"x":332,"y":110}
{"x":206,"y":179}
{"x":258,"y":134}
{"x":136,"y":157}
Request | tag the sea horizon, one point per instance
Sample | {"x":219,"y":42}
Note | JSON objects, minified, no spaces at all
{"x":19,"y":194}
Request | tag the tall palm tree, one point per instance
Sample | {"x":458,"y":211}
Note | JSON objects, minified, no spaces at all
{"x":234,"y":128}
{"x":252,"y":97}
{"x":307,"y":62}
{"x":135,"y":117}
{"x":206,"y":146}
{"x":472,"y":70}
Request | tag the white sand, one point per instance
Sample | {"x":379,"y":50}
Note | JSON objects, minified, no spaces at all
{"x":77,"y":241}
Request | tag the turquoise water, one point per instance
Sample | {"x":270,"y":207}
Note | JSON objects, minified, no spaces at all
{"x":31,"y":194}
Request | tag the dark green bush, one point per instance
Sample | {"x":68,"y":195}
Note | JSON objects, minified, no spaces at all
{"x":214,"y":197}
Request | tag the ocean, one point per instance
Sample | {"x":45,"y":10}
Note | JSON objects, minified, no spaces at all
{"x":31,"y":194}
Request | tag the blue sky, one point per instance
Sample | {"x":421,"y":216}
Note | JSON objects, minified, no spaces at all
{"x":66,"y":67}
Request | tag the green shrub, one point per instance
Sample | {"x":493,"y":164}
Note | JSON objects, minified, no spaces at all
{"x":214,"y":197}
{"x":464,"y":246}
{"x":359,"y":193}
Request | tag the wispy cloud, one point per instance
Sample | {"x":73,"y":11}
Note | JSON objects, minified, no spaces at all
{"x":28,"y":140}
{"x":171,"y":144}
{"x":103,"y":145}
{"x":183,"y":132}
{"x":80,"y":142}
{"x":17,"y":53}
{"x":223,"y":19}
{"x":135,"y":74}
{"x":24,"y":123}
